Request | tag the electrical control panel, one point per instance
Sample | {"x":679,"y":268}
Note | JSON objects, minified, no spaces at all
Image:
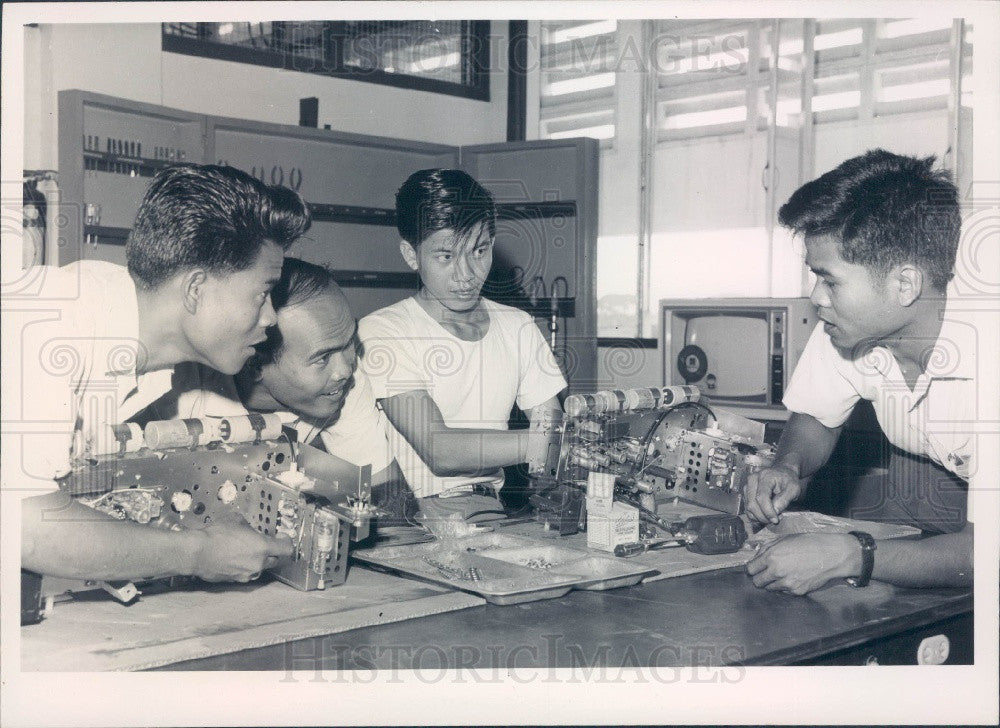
{"x":660,"y":443}
{"x":190,"y":474}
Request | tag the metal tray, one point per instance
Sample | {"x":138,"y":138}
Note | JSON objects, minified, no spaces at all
{"x":509,"y":569}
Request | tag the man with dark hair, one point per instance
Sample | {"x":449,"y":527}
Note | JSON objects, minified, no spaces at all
{"x":215,"y":224}
{"x":446,"y":364}
{"x":881,"y":234}
{"x":306,"y":372}
{"x":206,"y":249}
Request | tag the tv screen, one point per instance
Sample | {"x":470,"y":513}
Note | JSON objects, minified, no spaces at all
{"x":734,"y":356}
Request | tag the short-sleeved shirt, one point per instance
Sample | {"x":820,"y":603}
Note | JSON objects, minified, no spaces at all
{"x":70,"y":353}
{"x":934,"y":419}
{"x":356,"y":435}
{"x":474,"y":383}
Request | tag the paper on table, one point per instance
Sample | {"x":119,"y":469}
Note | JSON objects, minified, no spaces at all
{"x":810,"y":522}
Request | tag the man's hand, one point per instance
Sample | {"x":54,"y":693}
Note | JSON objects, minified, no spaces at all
{"x":803,"y":562}
{"x":235,"y":552}
{"x":769,"y":491}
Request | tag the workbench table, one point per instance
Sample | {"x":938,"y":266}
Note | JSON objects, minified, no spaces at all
{"x":715,"y":618}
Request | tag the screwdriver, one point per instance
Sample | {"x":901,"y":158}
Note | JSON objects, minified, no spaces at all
{"x":721,"y":534}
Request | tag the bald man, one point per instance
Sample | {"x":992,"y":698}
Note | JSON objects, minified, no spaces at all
{"x":306,"y":372}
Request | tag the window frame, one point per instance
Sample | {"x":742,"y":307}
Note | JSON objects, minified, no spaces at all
{"x":476,"y":43}
{"x":580,"y":107}
{"x":867,"y":61}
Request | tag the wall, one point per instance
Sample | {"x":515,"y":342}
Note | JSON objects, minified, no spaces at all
{"x":629,"y":367}
{"x":125,"y":60}
{"x":920,"y":134}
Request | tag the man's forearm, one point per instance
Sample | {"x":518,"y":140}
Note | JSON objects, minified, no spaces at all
{"x":450,"y":451}
{"x":805,"y":445}
{"x":476,"y":452}
{"x":944,"y":560}
{"x":482,"y":451}
{"x":61,"y":537}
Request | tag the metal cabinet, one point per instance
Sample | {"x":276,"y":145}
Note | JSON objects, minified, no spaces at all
{"x":110,"y":148}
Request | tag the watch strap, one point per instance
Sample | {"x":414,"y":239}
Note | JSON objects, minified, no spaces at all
{"x":867,"y":559}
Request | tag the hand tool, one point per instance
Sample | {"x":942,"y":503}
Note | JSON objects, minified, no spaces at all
{"x":717,"y":534}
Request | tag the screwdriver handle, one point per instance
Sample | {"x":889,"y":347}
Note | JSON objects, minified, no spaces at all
{"x":707,"y":535}
{"x":716,"y":534}
{"x":626,"y":550}
{"x":635,"y":548}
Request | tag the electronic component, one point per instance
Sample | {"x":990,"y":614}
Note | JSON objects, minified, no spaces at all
{"x":657,"y":443}
{"x":721,"y":534}
{"x":558,"y":506}
{"x":204,"y":474}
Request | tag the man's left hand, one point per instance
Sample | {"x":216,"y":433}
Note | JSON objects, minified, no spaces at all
{"x":803,"y":562}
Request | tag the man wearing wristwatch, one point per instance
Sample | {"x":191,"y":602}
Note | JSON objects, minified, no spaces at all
{"x":881,"y":234}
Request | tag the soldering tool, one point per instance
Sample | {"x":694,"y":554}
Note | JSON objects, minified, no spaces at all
{"x":716,"y":534}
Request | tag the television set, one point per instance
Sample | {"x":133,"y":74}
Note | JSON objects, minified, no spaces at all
{"x":740,"y":352}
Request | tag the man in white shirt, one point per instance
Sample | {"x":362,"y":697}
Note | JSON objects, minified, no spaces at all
{"x":98,"y":344}
{"x":306,"y":372}
{"x":881,"y":234}
{"x":446,"y":364}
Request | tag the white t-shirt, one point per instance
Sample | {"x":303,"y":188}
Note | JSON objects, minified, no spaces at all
{"x":357,"y":435}
{"x":934,"y":419}
{"x":474,"y":383}
{"x":69,"y":368}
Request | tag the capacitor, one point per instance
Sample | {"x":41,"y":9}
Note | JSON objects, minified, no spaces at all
{"x":119,"y":439}
{"x":582,"y":455}
{"x":250,"y":428}
{"x":640,"y":399}
{"x":633,"y":446}
{"x":661,"y":397}
{"x":577,"y":404}
{"x":161,"y":434}
{"x":612,"y":400}
{"x":324,"y":538}
{"x":323,"y":543}
{"x":643,"y":487}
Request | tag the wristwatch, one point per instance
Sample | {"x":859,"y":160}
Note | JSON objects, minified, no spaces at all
{"x":867,"y":559}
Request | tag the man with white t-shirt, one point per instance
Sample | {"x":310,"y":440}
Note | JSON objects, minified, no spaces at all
{"x":98,"y":344}
{"x":446,"y":364}
{"x":881,"y":234}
